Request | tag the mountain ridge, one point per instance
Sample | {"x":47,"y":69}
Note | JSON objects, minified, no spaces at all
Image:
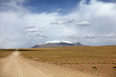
{"x":57,"y":44}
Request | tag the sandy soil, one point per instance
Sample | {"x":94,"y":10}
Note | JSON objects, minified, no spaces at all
{"x":17,"y":66}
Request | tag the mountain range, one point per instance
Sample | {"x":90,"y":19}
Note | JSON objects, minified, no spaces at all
{"x":57,"y":44}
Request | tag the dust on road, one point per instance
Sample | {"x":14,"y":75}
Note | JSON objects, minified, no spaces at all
{"x":16,"y":66}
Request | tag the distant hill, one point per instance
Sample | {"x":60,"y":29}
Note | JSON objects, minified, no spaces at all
{"x":57,"y":44}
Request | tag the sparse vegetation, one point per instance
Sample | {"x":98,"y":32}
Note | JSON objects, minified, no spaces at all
{"x":94,"y":67}
{"x":71,"y":55}
{"x":84,"y":58}
{"x":78,"y":58}
{"x":114,"y":66}
{"x":114,"y":63}
{"x":5,"y":52}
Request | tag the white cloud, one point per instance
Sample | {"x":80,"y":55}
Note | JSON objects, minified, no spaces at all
{"x":58,"y":22}
{"x":21,"y":28}
{"x":28,"y":27}
{"x":32,"y":30}
{"x":62,"y":21}
{"x":84,"y":23}
{"x":92,"y":36}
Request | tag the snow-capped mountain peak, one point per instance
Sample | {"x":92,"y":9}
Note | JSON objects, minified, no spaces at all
{"x":57,"y":41}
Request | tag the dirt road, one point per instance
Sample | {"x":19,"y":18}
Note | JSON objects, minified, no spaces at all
{"x":17,"y":66}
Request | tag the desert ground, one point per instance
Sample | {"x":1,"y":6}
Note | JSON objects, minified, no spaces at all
{"x":59,"y":62}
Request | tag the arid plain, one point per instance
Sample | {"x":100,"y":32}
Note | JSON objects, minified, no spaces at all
{"x":79,"y":61}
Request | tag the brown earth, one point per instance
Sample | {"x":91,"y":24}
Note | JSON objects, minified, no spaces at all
{"x":98,"y":61}
{"x":17,"y":66}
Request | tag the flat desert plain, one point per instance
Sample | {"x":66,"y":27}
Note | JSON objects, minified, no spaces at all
{"x":81,"y":61}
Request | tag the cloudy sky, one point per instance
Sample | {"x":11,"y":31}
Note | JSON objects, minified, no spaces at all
{"x":25,"y":23}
